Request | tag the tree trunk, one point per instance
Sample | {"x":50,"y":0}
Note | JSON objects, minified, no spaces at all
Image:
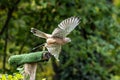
{"x":5,"y":50}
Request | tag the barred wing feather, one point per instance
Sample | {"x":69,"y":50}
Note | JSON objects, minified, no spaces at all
{"x":65,"y":27}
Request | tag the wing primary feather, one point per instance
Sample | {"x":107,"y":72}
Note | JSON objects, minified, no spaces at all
{"x":66,"y":26}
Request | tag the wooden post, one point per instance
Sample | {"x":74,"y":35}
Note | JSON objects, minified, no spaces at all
{"x":30,"y":62}
{"x":30,"y":71}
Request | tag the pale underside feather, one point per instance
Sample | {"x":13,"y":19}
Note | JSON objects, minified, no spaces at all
{"x":54,"y":49}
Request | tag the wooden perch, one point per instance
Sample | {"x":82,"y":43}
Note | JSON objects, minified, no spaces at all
{"x":30,"y":62}
{"x":32,"y":57}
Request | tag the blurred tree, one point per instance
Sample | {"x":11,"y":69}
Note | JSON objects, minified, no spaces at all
{"x":93,"y":54}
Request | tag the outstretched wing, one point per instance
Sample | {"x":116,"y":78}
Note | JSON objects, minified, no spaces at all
{"x":54,"y":49}
{"x":40,"y":33}
{"x":65,"y":27}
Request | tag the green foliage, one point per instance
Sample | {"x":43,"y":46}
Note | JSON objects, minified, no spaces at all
{"x":93,"y":54}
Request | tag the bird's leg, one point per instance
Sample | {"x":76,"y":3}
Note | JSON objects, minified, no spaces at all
{"x":43,"y":48}
{"x":45,"y":44}
{"x":38,"y":47}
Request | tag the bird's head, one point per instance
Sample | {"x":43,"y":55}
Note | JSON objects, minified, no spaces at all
{"x":67,"y":40}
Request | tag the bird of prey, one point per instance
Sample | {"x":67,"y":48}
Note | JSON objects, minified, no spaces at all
{"x":58,"y":37}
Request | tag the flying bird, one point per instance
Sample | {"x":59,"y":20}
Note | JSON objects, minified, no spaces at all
{"x":58,"y":37}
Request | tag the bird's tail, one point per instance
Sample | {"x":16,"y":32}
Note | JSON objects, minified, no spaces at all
{"x":38,"y":33}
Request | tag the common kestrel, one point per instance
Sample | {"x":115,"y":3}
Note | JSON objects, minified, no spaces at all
{"x":58,"y":37}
